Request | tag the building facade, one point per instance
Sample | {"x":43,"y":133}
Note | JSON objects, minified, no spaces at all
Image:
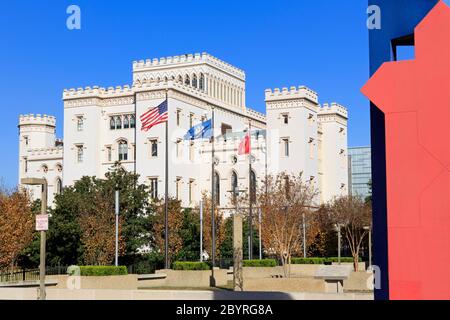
{"x":102,"y":126}
{"x":360,"y":171}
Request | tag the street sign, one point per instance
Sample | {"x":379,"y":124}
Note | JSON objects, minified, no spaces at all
{"x":42,"y":222}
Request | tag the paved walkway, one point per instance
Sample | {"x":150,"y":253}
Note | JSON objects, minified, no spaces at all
{"x":97,"y":294}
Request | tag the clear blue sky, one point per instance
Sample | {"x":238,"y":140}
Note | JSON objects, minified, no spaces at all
{"x":322,"y":44}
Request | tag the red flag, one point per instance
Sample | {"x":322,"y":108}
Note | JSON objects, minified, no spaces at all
{"x":244,"y":146}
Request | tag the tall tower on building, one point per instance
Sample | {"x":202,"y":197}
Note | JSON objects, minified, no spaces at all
{"x":40,"y":153}
{"x":333,"y":164}
{"x":292,"y":131}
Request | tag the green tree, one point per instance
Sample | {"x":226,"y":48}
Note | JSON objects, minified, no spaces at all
{"x":65,"y":245}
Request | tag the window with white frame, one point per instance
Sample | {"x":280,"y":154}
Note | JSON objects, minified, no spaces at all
{"x":126,"y":122}
{"x":179,"y":148}
{"x":80,"y":153}
{"x":109,"y":153}
{"x":285,"y":117}
{"x":178,"y":117}
{"x":153,"y":148}
{"x":191,"y":151}
{"x":154,"y":188}
{"x":59,"y":186}
{"x":25,"y":167}
{"x":285,"y":142}
{"x":80,"y":123}
{"x":311,"y":148}
{"x":178,"y":188}
{"x":191,"y":190}
{"x":123,"y":150}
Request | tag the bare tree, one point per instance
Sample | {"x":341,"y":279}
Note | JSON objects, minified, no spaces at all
{"x":352,"y":214}
{"x":282,"y":214}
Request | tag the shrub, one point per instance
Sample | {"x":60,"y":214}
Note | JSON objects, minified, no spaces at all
{"x":260,"y":263}
{"x":308,"y":260}
{"x":96,"y":271}
{"x":185,"y":265}
{"x":322,"y":260}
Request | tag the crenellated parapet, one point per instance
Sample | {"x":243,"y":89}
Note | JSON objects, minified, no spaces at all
{"x":187,"y":59}
{"x":256,"y":115}
{"x":49,"y":152}
{"x":38,"y":119}
{"x":97,"y":92}
{"x":301,"y":92}
{"x":333,"y":109}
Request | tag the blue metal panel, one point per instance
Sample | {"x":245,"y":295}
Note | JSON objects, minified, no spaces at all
{"x":398,"y":20}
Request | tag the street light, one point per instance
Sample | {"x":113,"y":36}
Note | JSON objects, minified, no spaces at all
{"x":338,"y":229}
{"x":43,"y":184}
{"x":370,"y":244}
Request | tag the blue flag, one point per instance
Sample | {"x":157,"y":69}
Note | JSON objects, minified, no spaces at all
{"x":200,"y":131}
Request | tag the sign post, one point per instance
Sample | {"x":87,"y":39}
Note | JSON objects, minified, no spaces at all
{"x":42,"y":226}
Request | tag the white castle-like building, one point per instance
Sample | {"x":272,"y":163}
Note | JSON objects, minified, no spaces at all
{"x":296,"y":134}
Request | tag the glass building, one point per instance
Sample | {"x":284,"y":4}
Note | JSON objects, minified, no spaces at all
{"x":359,"y":171}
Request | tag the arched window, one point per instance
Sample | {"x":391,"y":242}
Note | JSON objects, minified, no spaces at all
{"x":194,"y":81}
{"x":180,"y":79}
{"x":217,"y":188}
{"x":44,"y":168}
{"x":118,"y":122}
{"x":234,"y":185}
{"x":187,"y":81}
{"x":123,"y":150}
{"x":59,"y":168}
{"x":201,"y":84}
{"x":112,"y":123}
{"x":59,"y":186}
{"x":126,"y":122}
{"x":132,"y":121}
{"x":252,"y":185}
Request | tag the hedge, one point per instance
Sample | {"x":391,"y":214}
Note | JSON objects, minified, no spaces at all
{"x":91,"y":271}
{"x":184,"y":265}
{"x":260,"y":263}
{"x":322,"y":260}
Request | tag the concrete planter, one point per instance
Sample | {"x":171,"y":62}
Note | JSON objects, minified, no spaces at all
{"x":128,"y":282}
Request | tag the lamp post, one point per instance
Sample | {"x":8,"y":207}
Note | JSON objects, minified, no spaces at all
{"x":338,"y":229}
{"x":370,"y":244}
{"x":117,"y":228}
{"x":43,"y":184}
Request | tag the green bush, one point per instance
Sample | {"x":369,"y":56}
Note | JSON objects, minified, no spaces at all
{"x":97,"y":271}
{"x":260,"y":263}
{"x":322,"y":260}
{"x":185,"y":265}
{"x":308,"y":260}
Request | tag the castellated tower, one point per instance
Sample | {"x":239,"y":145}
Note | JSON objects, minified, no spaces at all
{"x":305,"y":137}
{"x":292,"y":132}
{"x":333,"y":164}
{"x":40,"y":153}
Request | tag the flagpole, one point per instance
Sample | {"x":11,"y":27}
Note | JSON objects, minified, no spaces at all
{"x":250,"y":244}
{"x":213,"y":197}
{"x":166,"y":206}
{"x":135,"y":135}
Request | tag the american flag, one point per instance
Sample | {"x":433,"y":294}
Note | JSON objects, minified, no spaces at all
{"x":154,"y":116}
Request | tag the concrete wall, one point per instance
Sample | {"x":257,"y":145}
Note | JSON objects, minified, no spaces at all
{"x":188,"y":279}
{"x":128,"y":282}
{"x":285,"y":285}
{"x":297,"y":270}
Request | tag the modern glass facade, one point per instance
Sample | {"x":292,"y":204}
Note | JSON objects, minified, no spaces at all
{"x":360,"y":171}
